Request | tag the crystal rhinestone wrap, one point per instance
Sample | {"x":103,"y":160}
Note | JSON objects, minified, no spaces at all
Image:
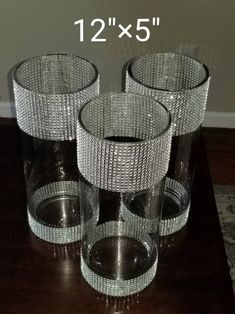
{"x":119,"y":287}
{"x":123,"y":166}
{"x":59,"y":188}
{"x":179,"y":82}
{"x":167,"y":226}
{"x":173,"y":224}
{"x":48,"y":93}
{"x":54,"y":233}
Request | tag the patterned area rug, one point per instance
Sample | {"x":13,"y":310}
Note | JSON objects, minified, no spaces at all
{"x":225,"y":201}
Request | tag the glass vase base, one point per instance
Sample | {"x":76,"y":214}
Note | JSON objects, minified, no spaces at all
{"x":53,"y":234}
{"x":53,"y":212}
{"x":121,"y":259}
{"x":172,"y":225}
{"x":176,"y":207}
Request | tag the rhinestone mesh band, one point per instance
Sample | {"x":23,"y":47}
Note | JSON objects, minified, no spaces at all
{"x":168,"y":225}
{"x":123,"y":166}
{"x":119,"y":287}
{"x":49,"y":91}
{"x":58,"y":188}
{"x":179,"y":82}
{"x":53,"y":233}
{"x":173,"y":224}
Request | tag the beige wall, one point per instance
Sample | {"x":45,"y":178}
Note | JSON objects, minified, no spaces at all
{"x":203,"y":27}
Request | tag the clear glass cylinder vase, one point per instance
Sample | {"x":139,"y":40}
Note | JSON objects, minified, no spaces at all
{"x":181,"y":83}
{"x":49,"y":91}
{"x":123,"y":143}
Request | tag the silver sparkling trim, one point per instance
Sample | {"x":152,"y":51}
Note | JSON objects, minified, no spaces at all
{"x":179,"y":82}
{"x":172,"y":225}
{"x":53,"y":233}
{"x":119,"y":287}
{"x":49,"y":91}
{"x":167,"y":226}
{"x":58,"y":188}
{"x":123,"y":166}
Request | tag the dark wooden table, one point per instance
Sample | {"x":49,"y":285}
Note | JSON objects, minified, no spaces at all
{"x":36,"y":277}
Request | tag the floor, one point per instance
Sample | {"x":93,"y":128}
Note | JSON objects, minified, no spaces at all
{"x":220,"y":147}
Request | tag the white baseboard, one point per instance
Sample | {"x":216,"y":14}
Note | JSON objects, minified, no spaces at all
{"x":7,"y":110}
{"x":215,"y":119}
{"x":212,"y":119}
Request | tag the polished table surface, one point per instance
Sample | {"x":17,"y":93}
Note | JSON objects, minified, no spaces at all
{"x":36,"y":277}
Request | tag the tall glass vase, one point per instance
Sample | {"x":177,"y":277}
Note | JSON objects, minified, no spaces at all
{"x":181,"y":83}
{"x":49,"y":91}
{"x":123,"y":143}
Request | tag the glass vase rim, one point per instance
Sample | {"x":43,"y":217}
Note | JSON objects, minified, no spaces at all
{"x":91,"y":82}
{"x":123,"y":143}
{"x":182,"y":90}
